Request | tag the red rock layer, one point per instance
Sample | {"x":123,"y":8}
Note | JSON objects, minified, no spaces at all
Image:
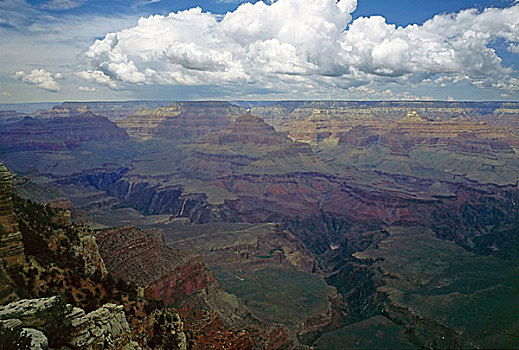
{"x":166,"y":274}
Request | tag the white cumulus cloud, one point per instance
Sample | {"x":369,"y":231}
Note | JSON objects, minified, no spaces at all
{"x":41,"y":78}
{"x":97,"y":77}
{"x":290,"y":44}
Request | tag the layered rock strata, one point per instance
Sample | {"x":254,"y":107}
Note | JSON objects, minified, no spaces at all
{"x":11,"y":246}
{"x":180,"y":120}
{"x":166,"y":274}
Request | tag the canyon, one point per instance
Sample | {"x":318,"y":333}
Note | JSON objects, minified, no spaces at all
{"x":361,"y":216}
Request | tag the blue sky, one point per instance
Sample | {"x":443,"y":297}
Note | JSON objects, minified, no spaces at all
{"x":57,"y":50}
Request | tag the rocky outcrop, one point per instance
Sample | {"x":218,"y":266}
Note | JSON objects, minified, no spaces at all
{"x":460,"y":134}
{"x":89,"y":251}
{"x":64,"y":259}
{"x":28,"y":311}
{"x":58,"y":134}
{"x":80,"y":142}
{"x":11,"y":246}
{"x":250,"y":129}
{"x":180,"y":120}
{"x":189,"y":280}
{"x":104,"y":328}
{"x":164,"y":273}
{"x":112,"y":110}
{"x":38,"y":340}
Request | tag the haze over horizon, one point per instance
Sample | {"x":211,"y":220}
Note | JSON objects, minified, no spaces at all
{"x":79,"y":50}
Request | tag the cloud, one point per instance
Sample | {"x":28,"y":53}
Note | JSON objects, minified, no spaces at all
{"x":86,"y":88}
{"x":17,"y":14}
{"x":510,"y":84}
{"x":514,"y":48}
{"x":293,"y":45}
{"x":97,"y":77}
{"x":41,"y":78}
{"x":59,"y":5}
{"x":194,"y":47}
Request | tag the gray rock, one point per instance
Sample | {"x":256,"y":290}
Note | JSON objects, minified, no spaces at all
{"x":104,"y":328}
{"x":27,"y":311}
{"x":11,"y":323}
{"x":38,"y":340}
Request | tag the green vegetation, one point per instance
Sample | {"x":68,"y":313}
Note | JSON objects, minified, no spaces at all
{"x":473,"y":295}
{"x":38,"y":224}
{"x":376,"y":332}
{"x":501,"y":242}
{"x":279,"y":295}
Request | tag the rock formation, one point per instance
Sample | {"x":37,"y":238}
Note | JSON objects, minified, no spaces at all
{"x":180,"y":120}
{"x":80,"y":142}
{"x":165,"y":274}
{"x":104,"y":328}
{"x":89,"y":251}
{"x":11,"y":246}
{"x":361,"y":167}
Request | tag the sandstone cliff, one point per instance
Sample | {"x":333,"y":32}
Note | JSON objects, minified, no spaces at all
{"x":11,"y":246}
{"x":180,"y":120}
{"x":164,"y":273}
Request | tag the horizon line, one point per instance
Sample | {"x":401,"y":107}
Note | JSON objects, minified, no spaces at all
{"x":244,"y":100}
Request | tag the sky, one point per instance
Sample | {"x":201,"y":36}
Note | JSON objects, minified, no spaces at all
{"x":87,"y":50}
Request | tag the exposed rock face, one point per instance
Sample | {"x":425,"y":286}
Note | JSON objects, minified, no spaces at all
{"x":261,"y":138}
{"x":191,"y":278}
{"x":250,"y":129}
{"x":180,"y":120}
{"x":449,"y":166}
{"x":464,"y":135}
{"x":65,"y":260}
{"x":321,"y":125}
{"x":63,"y":111}
{"x":38,"y":340}
{"x":166,"y":274}
{"x":10,"y":117}
{"x":111,"y":110}
{"x":77,"y":215}
{"x":58,"y":134}
{"x":143,"y":124}
{"x":104,"y":328}
{"x":248,"y":145}
{"x":281,"y":114}
{"x":168,"y":324}
{"x":80,"y":142}
{"x":89,"y":251}
{"x":11,"y":246}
